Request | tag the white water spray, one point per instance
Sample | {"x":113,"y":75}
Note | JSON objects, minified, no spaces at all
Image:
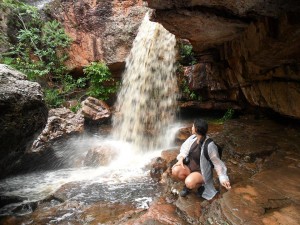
{"x":146,"y":103}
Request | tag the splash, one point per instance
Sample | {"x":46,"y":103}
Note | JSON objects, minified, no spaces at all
{"x":146,"y":103}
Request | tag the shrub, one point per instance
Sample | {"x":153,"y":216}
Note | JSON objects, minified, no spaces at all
{"x":39,"y":47}
{"x":53,"y":98}
{"x":187,"y":57}
{"x":102,"y":85}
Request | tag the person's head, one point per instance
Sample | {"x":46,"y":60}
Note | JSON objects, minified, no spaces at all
{"x":200,"y":127}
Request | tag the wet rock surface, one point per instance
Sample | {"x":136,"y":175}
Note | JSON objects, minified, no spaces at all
{"x":265,"y":186}
{"x":46,"y":151}
{"x":263,"y":167}
{"x":100,"y":156}
{"x":61,"y":123}
{"x":158,"y":167}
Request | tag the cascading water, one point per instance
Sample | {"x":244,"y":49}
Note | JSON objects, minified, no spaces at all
{"x":146,"y":105}
{"x":146,"y":101}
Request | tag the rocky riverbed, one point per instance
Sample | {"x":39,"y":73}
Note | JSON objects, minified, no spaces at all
{"x":263,"y":159}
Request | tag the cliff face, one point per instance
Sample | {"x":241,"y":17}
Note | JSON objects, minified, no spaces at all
{"x":248,"y":51}
{"x":252,"y":46}
{"x":101,"y":30}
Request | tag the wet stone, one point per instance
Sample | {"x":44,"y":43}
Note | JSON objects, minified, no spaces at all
{"x":6,"y":200}
{"x":100,"y":156}
{"x":264,"y":197}
{"x":189,"y":208}
{"x":159,"y":165}
{"x":249,"y":139}
{"x":265,"y":190}
{"x":160,"y":213}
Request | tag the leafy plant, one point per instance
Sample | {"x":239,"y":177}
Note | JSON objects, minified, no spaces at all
{"x":102,"y":85}
{"x":187,"y":56}
{"x":193,"y":96}
{"x":39,"y":49}
{"x":228,"y":115}
{"x":186,"y":92}
{"x":70,"y":84}
{"x":39,"y":52}
{"x":75,"y":108}
{"x":53,"y":97}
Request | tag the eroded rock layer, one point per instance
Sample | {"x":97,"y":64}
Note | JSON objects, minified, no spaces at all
{"x":253,"y":50}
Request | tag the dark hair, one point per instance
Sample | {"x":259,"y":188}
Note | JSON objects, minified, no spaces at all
{"x":201,"y":127}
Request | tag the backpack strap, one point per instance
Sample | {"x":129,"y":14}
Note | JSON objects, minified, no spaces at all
{"x":209,"y":140}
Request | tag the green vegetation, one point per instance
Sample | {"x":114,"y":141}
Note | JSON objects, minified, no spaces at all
{"x":187,"y":57}
{"x":76,"y":107}
{"x":187,"y":93}
{"x":101,"y":83}
{"x":53,"y":97}
{"x":39,"y":49}
{"x":227,"y":116}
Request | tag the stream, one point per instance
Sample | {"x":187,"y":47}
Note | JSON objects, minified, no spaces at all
{"x":125,"y":180}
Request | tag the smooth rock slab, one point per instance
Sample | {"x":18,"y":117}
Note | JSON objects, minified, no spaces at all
{"x":270,"y":197}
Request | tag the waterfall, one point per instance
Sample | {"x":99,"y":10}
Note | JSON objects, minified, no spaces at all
{"x":146,"y":103}
{"x":38,"y":3}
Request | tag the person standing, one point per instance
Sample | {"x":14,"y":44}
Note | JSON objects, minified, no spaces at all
{"x":198,"y":172}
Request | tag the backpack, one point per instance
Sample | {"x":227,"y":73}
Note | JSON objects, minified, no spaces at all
{"x":220,"y":150}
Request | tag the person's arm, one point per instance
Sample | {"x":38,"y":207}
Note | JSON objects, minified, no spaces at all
{"x":184,"y":150}
{"x":219,"y":165}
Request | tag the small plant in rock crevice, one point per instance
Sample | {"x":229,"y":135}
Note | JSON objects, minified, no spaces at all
{"x":227,"y":116}
{"x":186,"y":92}
{"x":187,"y":56}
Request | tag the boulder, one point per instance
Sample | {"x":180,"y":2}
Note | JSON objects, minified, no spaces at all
{"x":62,"y":123}
{"x":101,"y":155}
{"x":170,"y":155}
{"x":23,"y":114}
{"x":159,"y":165}
{"x":95,"y":110}
{"x":182,"y":134}
{"x":51,"y":149}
